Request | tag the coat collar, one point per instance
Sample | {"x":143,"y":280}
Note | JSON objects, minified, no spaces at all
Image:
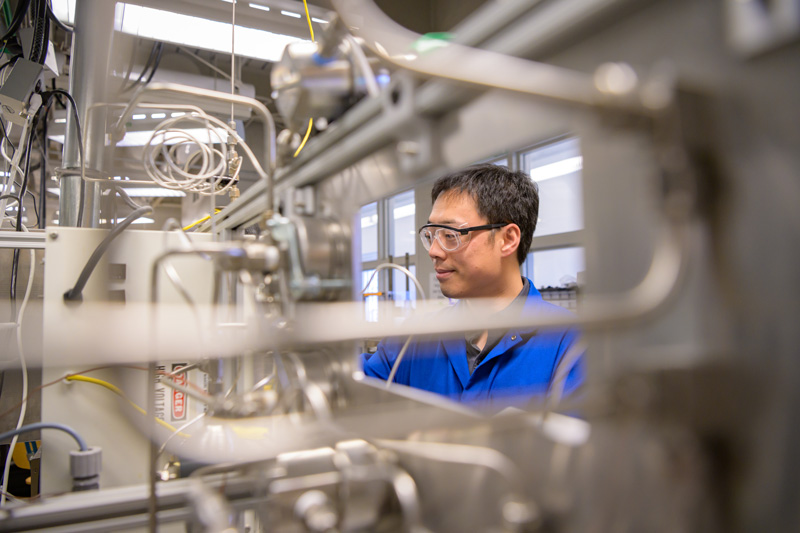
{"x":456,"y":347}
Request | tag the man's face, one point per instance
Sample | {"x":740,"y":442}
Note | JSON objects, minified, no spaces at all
{"x":474,"y":270}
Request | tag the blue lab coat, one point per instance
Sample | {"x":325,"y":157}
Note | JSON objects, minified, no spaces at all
{"x":519,"y":368}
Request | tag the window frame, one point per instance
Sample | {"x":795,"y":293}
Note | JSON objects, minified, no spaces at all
{"x":385,"y":241}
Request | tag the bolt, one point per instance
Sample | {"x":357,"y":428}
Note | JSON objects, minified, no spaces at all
{"x":53,"y":235}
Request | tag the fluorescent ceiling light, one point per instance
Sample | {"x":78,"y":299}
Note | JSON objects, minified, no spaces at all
{"x":140,"y":220}
{"x":60,"y":121}
{"x":153,"y":192}
{"x":188,"y":30}
{"x":559,"y":168}
{"x":179,"y":114}
{"x":140,"y":192}
{"x":139,"y":116}
{"x":259,"y":6}
{"x":202,"y":33}
{"x":319,"y":21}
{"x":158,"y":115}
{"x":140,"y":138}
{"x":290,"y":14}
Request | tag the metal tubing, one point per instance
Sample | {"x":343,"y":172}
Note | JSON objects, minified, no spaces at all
{"x":315,"y":162}
{"x":91,"y":51}
{"x":483,"y":68}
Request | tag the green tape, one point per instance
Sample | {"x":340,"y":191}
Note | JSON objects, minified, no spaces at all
{"x":431,"y":41}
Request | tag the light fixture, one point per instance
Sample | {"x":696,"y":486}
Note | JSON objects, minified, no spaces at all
{"x":60,"y":121}
{"x":139,"y":192}
{"x":259,"y":6}
{"x":191,"y":31}
{"x":290,"y":14}
{"x":141,"y":138}
{"x":158,"y":115}
{"x":559,"y":168}
{"x":139,"y":116}
{"x":319,"y":21}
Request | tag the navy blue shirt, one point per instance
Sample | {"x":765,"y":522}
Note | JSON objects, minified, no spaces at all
{"x":518,"y":368}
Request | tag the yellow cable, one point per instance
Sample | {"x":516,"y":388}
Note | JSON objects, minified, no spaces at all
{"x":311,"y":120}
{"x":308,"y":132}
{"x":116,"y":390}
{"x":308,"y":18}
{"x":196,"y":222}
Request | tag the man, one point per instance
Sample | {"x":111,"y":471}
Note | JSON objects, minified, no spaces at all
{"x":478,"y":235}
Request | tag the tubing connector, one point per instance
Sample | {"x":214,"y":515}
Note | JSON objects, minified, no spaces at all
{"x":85,"y":467}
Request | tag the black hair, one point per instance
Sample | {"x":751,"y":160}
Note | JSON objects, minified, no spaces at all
{"x":500,"y":194}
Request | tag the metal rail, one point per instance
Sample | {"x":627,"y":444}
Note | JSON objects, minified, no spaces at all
{"x":23,"y":239}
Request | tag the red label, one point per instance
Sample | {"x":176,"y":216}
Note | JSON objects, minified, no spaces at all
{"x":179,"y":398}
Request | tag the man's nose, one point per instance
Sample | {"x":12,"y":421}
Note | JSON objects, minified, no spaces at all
{"x":436,"y":250}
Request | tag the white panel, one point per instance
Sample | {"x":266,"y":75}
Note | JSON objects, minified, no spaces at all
{"x":95,"y":412}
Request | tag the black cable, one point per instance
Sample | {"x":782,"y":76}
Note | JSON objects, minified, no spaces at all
{"x":23,"y":188}
{"x":75,"y":294}
{"x":41,"y":215}
{"x":80,"y":142}
{"x":35,"y":209}
{"x":16,"y":20}
{"x":54,"y":18}
{"x":12,"y":290}
{"x":5,"y":135}
{"x":143,"y":73}
{"x":10,"y":62}
{"x":157,"y":62}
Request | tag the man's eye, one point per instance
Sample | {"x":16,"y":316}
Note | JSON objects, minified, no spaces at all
{"x":450,"y":237}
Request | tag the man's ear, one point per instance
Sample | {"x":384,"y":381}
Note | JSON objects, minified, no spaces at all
{"x":510,"y":238}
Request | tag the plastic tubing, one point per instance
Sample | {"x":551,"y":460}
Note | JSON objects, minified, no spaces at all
{"x":47,"y":425}
{"x":75,"y":293}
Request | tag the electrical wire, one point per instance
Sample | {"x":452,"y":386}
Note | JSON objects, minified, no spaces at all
{"x":310,"y":120}
{"x":233,"y":53}
{"x":75,"y":293}
{"x":179,"y":431}
{"x":24,"y":369}
{"x":79,"y":133}
{"x":151,"y":64}
{"x":59,"y":380}
{"x":19,"y":15}
{"x":198,"y":222}
{"x":308,"y":18}
{"x":116,"y":390}
{"x":207,"y":179}
{"x":5,"y":136}
{"x":55,"y":19}
{"x":361,"y":60}
{"x":46,"y":425}
{"x":308,"y":132}
{"x":403,"y":350}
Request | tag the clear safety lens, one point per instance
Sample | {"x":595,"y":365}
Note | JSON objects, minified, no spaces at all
{"x":448,"y":239}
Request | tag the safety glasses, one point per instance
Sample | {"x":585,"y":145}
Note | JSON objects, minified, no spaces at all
{"x":450,"y":238}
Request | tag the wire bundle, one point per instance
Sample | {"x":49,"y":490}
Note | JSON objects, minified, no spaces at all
{"x":209,"y":170}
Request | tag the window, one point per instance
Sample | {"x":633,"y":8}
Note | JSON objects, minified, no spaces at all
{"x":555,"y":268}
{"x":388,"y":233}
{"x":556,"y":256}
{"x":369,"y":232}
{"x":402,"y":233}
{"x":556,"y":169}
